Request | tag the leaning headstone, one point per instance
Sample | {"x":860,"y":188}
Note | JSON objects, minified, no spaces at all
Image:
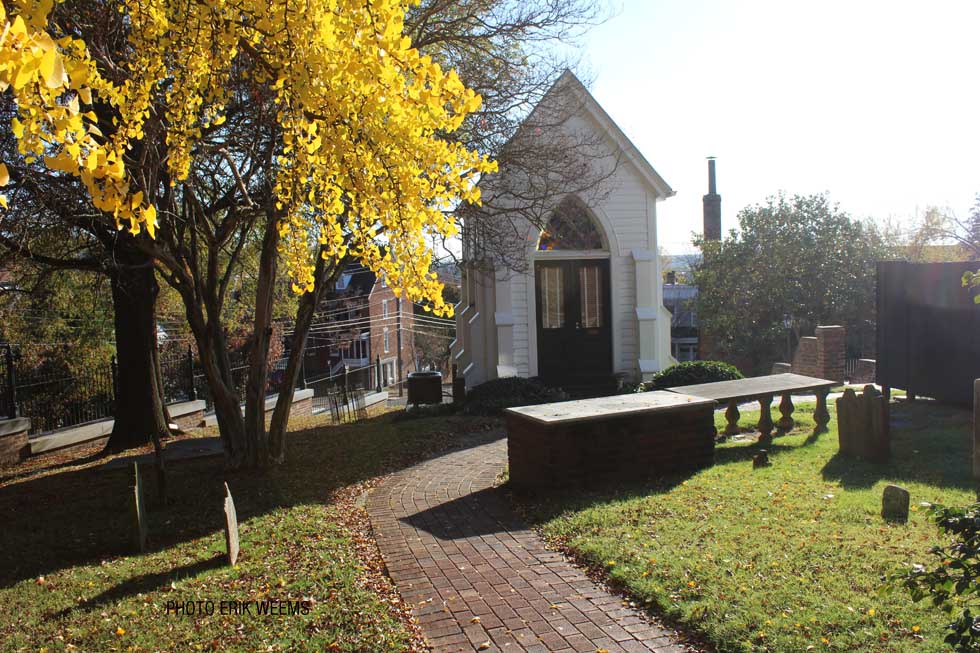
{"x":231,"y":527}
{"x":895,"y":503}
{"x":138,"y":511}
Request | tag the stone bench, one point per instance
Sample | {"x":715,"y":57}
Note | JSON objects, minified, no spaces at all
{"x":763,"y":389}
{"x":609,"y":439}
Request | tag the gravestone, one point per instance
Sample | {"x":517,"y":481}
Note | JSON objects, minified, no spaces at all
{"x":895,"y":503}
{"x":138,"y":511}
{"x":231,"y":527}
{"x":860,"y":426}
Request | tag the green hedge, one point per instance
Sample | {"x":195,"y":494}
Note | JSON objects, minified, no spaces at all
{"x":492,"y":397}
{"x":690,"y":373}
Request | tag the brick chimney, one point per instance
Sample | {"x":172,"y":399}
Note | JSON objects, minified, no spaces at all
{"x":712,"y":206}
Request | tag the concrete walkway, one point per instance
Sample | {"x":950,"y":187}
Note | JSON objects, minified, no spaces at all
{"x":479,"y":579}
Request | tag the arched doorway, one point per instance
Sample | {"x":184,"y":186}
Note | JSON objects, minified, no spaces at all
{"x":572,"y":300}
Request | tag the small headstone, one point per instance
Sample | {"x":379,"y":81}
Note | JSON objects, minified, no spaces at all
{"x":138,"y":511}
{"x":231,"y":527}
{"x":895,"y":503}
{"x":761,"y":459}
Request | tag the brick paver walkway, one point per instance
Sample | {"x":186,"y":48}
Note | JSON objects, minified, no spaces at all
{"x":477,"y":576}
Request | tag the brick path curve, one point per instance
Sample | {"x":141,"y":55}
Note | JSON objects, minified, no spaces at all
{"x":457,"y":551}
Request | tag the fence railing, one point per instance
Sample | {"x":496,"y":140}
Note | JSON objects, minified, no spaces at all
{"x":55,"y":399}
{"x":342,"y":393}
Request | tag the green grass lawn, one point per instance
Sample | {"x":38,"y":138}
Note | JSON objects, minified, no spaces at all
{"x":69,"y":581}
{"x":786,"y":558}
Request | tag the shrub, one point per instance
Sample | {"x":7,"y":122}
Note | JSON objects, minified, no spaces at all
{"x":492,"y":397}
{"x":690,"y":373}
{"x":953,"y":584}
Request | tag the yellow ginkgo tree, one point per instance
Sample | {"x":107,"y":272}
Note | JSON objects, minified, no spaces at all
{"x":198,"y":127}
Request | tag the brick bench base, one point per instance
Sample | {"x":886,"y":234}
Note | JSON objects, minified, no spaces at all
{"x":598,"y":451}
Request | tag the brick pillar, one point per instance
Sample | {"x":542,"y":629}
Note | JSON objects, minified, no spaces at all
{"x":805,"y":357}
{"x":14,"y":445}
{"x":830,"y":352}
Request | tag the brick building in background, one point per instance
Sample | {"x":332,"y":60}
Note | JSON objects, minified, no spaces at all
{"x":358,"y":325}
{"x":392,"y":337}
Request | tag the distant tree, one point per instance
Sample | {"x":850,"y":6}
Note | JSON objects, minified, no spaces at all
{"x":943,"y":227}
{"x":431,"y":341}
{"x":797,"y":256}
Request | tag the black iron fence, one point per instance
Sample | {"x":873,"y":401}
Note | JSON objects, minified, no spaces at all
{"x":58,"y":398}
{"x":342,"y":393}
{"x":55,"y":398}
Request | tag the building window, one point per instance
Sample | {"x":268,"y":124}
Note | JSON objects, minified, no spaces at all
{"x":591,"y":286}
{"x":384,"y":308}
{"x":570,"y":227}
{"x":387,"y":347}
{"x":552,"y":310}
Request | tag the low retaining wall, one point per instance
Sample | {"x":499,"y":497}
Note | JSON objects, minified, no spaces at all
{"x":302,"y":405}
{"x":13,"y":441}
{"x":186,"y":415}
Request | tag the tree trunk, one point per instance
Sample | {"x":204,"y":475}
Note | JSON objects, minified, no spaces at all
{"x":325,"y":274}
{"x":139,"y":411}
{"x":258,"y":368}
{"x":227,"y":404}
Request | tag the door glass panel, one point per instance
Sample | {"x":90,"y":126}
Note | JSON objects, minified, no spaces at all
{"x":552,"y":298}
{"x":590,"y":289}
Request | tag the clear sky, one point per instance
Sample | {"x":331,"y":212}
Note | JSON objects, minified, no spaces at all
{"x":876,"y":103}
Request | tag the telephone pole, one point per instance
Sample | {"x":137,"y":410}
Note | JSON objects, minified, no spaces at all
{"x":398,"y":344}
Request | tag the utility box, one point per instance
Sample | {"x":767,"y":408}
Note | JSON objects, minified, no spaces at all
{"x":424,"y":388}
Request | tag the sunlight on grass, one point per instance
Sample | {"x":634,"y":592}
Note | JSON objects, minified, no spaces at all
{"x":786,"y":557}
{"x":68,"y":568}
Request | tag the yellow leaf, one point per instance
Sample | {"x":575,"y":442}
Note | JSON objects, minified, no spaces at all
{"x":4,"y":175}
{"x":150,"y":219}
{"x":53,"y":69}
{"x":484,"y":646}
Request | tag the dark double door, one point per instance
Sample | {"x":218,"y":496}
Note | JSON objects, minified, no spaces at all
{"x":572,"y":300}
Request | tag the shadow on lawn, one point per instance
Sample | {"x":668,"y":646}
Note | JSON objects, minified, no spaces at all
{"x":144,"y":583}
{"x":82,"y":515}
{"x":931,"y":444}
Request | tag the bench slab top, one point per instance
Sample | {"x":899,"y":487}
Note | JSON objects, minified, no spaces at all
{"x":754,"y":387}
{"x":581,"y":410}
